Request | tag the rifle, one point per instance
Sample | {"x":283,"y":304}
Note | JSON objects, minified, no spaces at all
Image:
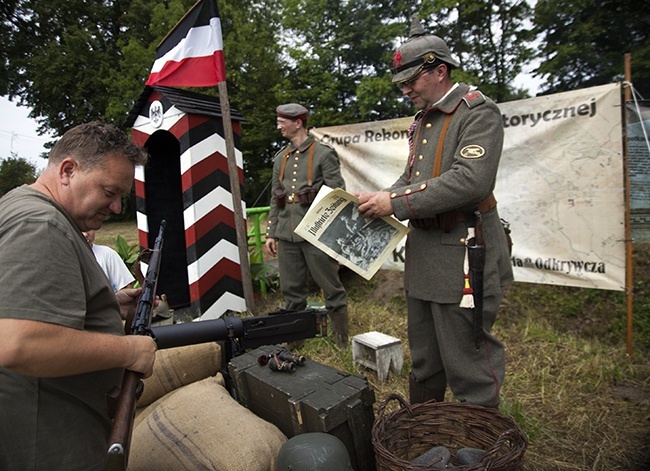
{"x":120,"y":438}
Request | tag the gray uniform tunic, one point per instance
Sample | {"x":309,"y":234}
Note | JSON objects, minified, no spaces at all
{"x":297,"y":257}
{"x":435,"y":247}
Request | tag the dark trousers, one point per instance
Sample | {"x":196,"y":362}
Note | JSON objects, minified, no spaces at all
{"x":296,"y":261}
{"x":442,"y":347}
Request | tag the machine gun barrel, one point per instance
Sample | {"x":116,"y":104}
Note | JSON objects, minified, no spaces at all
{"x":246,"y":332}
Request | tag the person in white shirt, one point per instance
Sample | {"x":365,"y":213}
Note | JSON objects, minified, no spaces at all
{"x":112,"y":264}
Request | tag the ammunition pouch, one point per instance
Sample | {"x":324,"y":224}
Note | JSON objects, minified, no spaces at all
{"x":306,"y":196}
{"x":280,"y":196}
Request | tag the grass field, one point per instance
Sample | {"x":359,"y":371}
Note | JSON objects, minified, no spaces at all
{"x":569,"y":383}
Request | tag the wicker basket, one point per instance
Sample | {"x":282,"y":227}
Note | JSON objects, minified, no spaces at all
{"x":409,"y":431}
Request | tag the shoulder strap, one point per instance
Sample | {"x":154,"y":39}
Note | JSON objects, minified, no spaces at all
{"x":310,"y":164}
{"x":284,"y":165}
{"x":441,"y":143}
{"x":474,"y":98}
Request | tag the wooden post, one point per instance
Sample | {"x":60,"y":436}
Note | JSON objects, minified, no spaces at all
{"x":629,"y":267}
{"x":240,"y":221}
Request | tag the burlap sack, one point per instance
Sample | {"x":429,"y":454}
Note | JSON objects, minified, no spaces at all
{"x":200,"y":427}
{"x":176,"y":367}
{"x":142,"y":413}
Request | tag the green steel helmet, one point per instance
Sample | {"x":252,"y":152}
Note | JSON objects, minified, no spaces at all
{"x":420,"y":51}
{"x":314,"y":451}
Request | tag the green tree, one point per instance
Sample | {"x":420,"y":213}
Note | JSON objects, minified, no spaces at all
{"x":339,"y":55}
{"x":254,"y":70}
{"x":60,"y":53}
{"x":72,"y":60}
{"x":492,"y":39}
{"x":14,"y":172}
{"x":583,"y":42}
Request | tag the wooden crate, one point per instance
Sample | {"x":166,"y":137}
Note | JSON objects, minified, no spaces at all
{"x":315,"y":398}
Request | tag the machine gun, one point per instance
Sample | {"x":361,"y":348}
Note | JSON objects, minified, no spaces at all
{"x":236,"y":334}
{"x":120,"y":437}
{"x":239,"y":334}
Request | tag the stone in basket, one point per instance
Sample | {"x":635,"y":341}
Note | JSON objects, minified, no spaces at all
{"x":410,"y":431}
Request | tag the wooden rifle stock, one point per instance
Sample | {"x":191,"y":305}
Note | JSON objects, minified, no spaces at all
{"x":119,"y":440}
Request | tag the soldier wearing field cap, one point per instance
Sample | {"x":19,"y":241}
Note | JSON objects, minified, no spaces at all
{"x":445,"y":192}
{"x":299,"y":171}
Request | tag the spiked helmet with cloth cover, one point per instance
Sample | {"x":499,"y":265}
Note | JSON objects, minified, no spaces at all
{"x":420,"y":51}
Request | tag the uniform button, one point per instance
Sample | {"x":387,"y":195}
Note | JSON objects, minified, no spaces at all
{"x":423,"y":186}
{"x":417,"y":174}
{"x":293,"y":187}
{"x":428,"y":125}
{"x":393,"y":195}
{"x":408,"y":192}
{"x":293,"y":179}
{"x":420,"y":157}
{"x":296,"y":157}
{"x":294,"y":172}
{"x":424,"y":141}
{"x":462,"y":240}
{"x":295,"y":165}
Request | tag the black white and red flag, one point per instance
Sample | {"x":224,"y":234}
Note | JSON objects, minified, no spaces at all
{"x":192,"y":53}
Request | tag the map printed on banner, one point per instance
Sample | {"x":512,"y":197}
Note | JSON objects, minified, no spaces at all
{"x":560,"y":182}
{"x":560,"y":185}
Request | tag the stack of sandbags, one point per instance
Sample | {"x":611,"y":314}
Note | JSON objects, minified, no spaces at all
{"x":197,"y":425}
{"x":176,"y":367}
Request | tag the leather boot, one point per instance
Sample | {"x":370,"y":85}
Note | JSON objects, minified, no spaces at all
{"x":419,"y":393}
{"x":340,"y":329}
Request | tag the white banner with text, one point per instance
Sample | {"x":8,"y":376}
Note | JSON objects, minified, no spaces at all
{"x":560,"y":182}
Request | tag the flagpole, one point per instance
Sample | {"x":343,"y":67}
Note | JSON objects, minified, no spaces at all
{"x":240,"y":221}
{"x":178,"y":23}
{"x":629,"y":261}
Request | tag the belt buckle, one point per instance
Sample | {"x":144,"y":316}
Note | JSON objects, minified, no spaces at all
{"x":290,"y":199}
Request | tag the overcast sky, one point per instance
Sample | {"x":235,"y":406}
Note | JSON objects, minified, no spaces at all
{"x":18,"y":134}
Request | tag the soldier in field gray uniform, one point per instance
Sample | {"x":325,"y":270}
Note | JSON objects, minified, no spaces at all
{"x":299,"y":171}
{"x":455,"y":145}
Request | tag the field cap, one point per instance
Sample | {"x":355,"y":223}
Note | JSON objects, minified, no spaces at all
{"x":420,"y":51}
{"x":292,"y":111}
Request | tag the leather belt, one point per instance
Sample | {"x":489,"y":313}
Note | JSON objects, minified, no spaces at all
{"x":448,"y":220}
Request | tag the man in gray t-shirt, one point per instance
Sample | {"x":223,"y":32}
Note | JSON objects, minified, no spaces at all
{"x":62,"y":344}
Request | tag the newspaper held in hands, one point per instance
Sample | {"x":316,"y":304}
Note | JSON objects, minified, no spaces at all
{"x":334,"y":225}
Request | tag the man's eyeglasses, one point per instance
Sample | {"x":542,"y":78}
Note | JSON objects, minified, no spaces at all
{"x":409,"y":83}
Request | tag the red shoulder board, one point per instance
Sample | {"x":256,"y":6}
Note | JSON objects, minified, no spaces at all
{"x":474,"y":98}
